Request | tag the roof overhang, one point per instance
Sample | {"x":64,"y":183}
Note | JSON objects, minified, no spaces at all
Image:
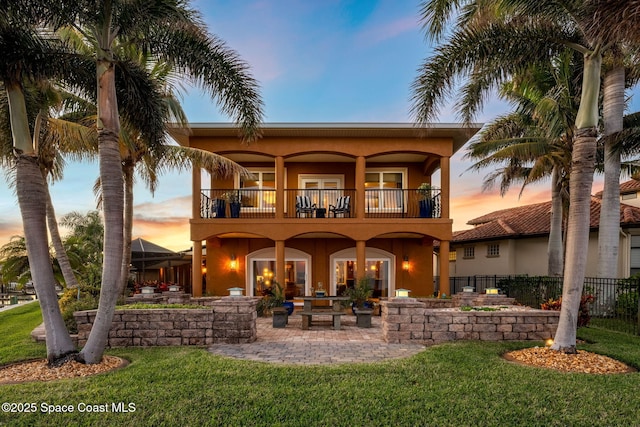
{"x":459,"y":133}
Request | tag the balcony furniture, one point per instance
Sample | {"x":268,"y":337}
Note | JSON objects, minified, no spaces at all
{"x":321,"y":212}
{"x":304,"y":206}
{"x":342,"y":206}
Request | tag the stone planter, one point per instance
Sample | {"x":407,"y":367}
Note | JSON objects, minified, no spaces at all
{"x":363,"y":317}
{"x":280,"y":317}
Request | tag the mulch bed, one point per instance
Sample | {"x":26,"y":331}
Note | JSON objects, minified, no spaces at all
{"x":38,"y":370}
{"x":583,"y":361}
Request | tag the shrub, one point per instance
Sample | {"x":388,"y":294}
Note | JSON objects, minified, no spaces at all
{"x":69,"y":303}
{"x":627,"y":303}
{"x":583,"y":311}
{"x":531,"y":290}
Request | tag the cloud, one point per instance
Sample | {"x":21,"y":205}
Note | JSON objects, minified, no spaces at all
{"x":384,"y":31}
{"x":467,"y":205}
{"x":8,"y":229}
{"x":164,"y":222}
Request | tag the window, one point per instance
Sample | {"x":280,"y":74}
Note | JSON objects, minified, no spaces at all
{"x":629,"y":196}
{"x":259,"y":190}
{"x":383,"y":189}
{"x":469,"y":252}
{"x":493,"y":250}
{"x":453,"y":255}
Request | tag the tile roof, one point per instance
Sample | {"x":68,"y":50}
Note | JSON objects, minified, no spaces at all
{"x":531,"y":220}
{"x":631,"y":186}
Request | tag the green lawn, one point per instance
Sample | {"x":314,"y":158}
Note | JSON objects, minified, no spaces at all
{"x":461,"y":384}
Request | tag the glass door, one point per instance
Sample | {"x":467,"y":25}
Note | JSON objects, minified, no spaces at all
{"x":323,"y":190}
{"x":263,"y":274}
{"x":378,"y":273}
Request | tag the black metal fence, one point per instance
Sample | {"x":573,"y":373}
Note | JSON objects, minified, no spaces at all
{"x":616,"y":304}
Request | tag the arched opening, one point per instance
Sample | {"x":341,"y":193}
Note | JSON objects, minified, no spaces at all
{"x":380,"y":267}
{"x":261,"y":272}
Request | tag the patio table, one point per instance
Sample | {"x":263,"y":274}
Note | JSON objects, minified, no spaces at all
{"x":309,"y":310}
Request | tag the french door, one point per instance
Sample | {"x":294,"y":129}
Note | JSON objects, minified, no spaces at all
{"x":323,"y":190}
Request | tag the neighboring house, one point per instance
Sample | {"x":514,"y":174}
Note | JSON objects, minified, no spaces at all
{"x":514,"y":241}
{"x":326,"y":205}
{"x":629,"y":193}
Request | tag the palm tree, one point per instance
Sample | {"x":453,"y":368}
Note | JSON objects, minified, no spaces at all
{"x":27,"y":58}
{"x":14,"y":261}
{"x":171,"y":32}
{"x":151,"y":158}
{"x":487,"y":46}
{"x":83,"y":244}
{"x":534,"y":142}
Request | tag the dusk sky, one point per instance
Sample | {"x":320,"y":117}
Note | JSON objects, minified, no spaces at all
{"x":316,"y":61}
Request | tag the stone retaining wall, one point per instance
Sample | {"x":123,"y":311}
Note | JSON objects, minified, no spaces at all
{"x":228,"y":320}
{"x":234,"y":320}
{"x":403,"y":320}
{"x":407,"y":320}
{"x":504,"y":325}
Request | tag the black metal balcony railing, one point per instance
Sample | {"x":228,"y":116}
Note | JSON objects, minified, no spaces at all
{"x":318,"y":203}
{"x":397,"y":203}
{"x":245,"y":203}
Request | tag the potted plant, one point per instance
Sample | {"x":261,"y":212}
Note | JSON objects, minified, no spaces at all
{"x":275,"y":299}
{"x":359,"y":297}
{"x":220,"y":206}
{"x":425,"y":200}
{"x":233,"y":198}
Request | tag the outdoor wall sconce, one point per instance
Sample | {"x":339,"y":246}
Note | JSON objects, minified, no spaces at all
{"x":405,"y":263}
{"x":402,"y":293}
{"x":491,"y":291}
{"x":235,"y":292}
{"x":233,"y":263}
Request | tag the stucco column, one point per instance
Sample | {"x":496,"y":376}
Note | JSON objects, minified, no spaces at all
{"x":361,"y":259}
{"x":280,"y":268}
{"x":279,"y":187}
{"x":443,"y":259}
{"x":445,"y":183}
{"x":196,"y":266}
{"x":196,"y":190}
{"x":361,"y":164}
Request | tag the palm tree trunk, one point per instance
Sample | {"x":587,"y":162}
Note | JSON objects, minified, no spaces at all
{"x":30,"y":188}
{"x":113,"y":205}
{"x":581,"y":179}
{"x":609,"y":229}
{"x":127,"y":170}
{"x":555,"y":249}
{"x":61,"y":253}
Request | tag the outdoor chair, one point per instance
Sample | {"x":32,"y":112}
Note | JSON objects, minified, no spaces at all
{"x":304,"y":206}
{"x":342,"y":206}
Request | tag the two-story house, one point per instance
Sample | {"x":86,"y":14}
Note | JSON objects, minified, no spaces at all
{"x":326,"y":204}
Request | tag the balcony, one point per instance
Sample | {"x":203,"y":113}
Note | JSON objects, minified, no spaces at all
{"x":316,"y":203}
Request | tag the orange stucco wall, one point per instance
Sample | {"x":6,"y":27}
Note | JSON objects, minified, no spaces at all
{"x":419,"y":277}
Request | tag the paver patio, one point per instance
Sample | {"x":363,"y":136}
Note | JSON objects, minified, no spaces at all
{"x":320,"y":345}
